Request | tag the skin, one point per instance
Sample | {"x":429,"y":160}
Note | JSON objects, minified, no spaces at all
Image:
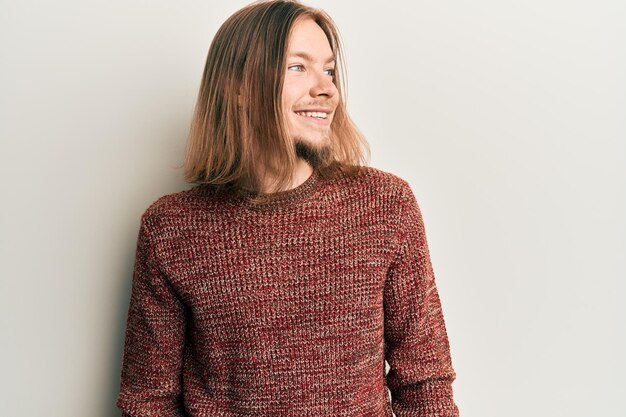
{"x":308,"y":84}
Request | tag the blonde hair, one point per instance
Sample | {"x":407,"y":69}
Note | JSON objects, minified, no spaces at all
{"x":238,"y":126}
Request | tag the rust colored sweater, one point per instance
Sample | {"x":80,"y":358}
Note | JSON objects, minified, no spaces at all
{"x":289,"y":309}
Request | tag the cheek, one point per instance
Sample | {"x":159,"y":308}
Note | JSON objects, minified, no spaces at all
{"x":289,"y":97}
{"x":287,"y":108}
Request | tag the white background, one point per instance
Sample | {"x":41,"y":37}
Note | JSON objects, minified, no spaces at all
{"x":506,"y":117}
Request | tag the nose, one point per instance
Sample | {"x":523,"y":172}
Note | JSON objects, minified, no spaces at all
{"x":323,"y":85}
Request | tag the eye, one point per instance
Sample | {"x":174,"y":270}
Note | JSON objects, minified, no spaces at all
{"x":294,"y":66}
{"x":331,"y":72}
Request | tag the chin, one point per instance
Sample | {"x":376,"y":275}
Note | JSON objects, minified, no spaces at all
{"x":315,"y":152}
{"x":313,"y":142}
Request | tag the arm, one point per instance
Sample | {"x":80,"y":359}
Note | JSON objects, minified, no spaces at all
{"x":416,"y":344}
{"x":155,"y":329}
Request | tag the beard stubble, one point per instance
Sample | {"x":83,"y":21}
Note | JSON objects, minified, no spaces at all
{"x":315,"y":155}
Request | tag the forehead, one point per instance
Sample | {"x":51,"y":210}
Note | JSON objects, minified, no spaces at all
{"x":308,"y":40}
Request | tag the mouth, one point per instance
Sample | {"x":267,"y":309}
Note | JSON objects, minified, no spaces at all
{"x":317,"y":117}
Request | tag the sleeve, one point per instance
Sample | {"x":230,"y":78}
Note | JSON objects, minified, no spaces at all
{"x":416,"y":343}
{"x":155,"y":328}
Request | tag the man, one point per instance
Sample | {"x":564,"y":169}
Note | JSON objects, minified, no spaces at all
{"x":280,"y":284}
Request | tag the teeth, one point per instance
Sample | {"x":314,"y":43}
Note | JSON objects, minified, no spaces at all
{"x":319,"y":115}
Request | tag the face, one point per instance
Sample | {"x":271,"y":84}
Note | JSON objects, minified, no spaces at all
{"x":309,"y":95}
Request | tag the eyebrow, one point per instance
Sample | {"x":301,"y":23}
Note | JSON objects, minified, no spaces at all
{"x":308,"y":57}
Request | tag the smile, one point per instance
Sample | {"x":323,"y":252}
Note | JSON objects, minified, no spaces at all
{"x":320,"y":118}
{"x":316,"y":114}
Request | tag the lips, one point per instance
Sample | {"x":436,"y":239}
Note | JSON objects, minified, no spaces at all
{"x":316,"y":109}
{"x":317,"y":121}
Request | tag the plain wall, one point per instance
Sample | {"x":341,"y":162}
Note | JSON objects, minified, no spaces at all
{"x":507,"y":119}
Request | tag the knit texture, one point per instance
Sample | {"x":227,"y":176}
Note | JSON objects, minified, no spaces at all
{"x":287,"y":309}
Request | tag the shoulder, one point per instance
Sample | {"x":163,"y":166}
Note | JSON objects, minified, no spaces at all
{"x":176,"y":206}
{"x":382,"y":182}
{"x":167,"y":204}
{"x":393,"y":191}
{"x":374,"y":190}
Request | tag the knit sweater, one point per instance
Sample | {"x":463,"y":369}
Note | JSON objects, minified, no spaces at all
{"x":290,"y":308}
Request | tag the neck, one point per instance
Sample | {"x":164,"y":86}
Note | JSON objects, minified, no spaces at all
{"x":302,"y":172}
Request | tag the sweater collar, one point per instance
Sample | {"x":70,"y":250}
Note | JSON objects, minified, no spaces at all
{"x":285,"y":198}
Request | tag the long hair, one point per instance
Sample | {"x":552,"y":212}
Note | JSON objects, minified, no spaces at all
{"x":238,"y":125}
